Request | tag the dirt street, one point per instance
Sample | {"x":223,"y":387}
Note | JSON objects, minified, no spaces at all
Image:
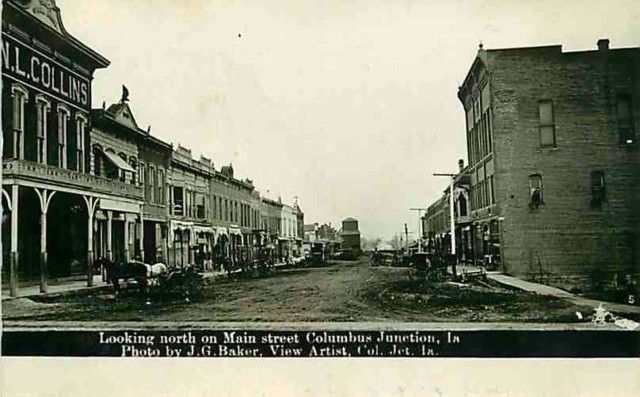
{"x":343,"y":291}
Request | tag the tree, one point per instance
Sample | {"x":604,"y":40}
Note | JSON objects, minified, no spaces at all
{"x":370,"y":244}
{"x":395,"y":243}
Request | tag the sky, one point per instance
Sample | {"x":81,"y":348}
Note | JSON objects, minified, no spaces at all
{"x":350,"y":106}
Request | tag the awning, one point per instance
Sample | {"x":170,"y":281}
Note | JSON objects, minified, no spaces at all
{"x":106,"y":204}
{"x":203,"y":229}
{"x":118,"y":161}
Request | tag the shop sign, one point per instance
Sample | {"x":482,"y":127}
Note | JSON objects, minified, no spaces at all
{"x":39,"y":71}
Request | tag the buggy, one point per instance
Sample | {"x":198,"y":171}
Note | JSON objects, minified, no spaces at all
{"x":428,"y":266}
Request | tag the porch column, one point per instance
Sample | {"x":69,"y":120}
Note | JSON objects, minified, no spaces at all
{"x":13,"y":278}
{"x":45,"y":198}
{"x":109,"y":234}
{"x":165,"y":243}
{"x":92,"y":203}
{"x":141,"y":240}
{"x":126,"y":238}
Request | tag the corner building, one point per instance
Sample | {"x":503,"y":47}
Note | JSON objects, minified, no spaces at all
{"x":552,"y":140}
{"x":50,"y":193}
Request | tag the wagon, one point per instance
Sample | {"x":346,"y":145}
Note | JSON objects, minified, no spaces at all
{"x":428,"y":266}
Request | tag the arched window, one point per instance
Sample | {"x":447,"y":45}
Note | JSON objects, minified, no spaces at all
{"x":20,"y":96}
{"x":81,"y":123}
{"x":63,"y":119}
{"x":462,"y":203}
{"x":42,"y":109}
{"x":536,"y":193}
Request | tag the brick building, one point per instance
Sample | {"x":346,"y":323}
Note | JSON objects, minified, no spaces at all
{"x":553,"y":161}
{"x":48,"y":188}
{"x":81,"y":183}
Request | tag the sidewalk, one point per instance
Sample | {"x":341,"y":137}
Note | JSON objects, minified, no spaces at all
{"x":542,"y":289}
{"x":75,"y":286}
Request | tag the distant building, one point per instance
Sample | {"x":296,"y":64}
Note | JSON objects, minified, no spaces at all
{"x":436,"y":223}
{"x":350,"y":234}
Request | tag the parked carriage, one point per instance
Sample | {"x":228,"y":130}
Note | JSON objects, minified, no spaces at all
{"x":428,"y":266}
{"x":185,"y":282}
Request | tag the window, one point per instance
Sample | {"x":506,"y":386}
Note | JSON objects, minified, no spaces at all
{"x":134,"y":164}
{"x":142,"y":169}
{"x":42,"y":109}
{"x":492,"y":190}
{"x":536,"y":196}
{"x":187,"y":204}
{"x":489,"y":131}
{"x":151,"y":184}
{"x":81,"y":122}
{"x":97,"y":160}
{"x":598,"y":189}
{"x":123,"y":173}
{"x":63,"y":118}
{"x":19,"y":95}
{"x":547,"y":126}
{"x":200,"y":212}
{"x":626,"y":133}
{"x":160,"y":196}
{"x":178,"y":201}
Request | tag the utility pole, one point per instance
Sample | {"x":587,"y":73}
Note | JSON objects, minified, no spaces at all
{"x":406,"y":240}
{"x":419,"y":226}
{"x":452,"y":222}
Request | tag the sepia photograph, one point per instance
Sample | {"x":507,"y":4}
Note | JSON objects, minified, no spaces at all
{"x":320,"y":179}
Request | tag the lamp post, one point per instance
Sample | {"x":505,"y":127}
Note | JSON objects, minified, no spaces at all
{"x":419,"y":226}
{"x":452,"y":221}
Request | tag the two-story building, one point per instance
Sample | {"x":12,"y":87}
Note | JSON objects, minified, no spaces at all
{"x":50,"y":184}
{"x":191,"y":232}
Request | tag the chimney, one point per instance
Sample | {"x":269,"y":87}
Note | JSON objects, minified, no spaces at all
{"x":603,"y":44}
{"x":460,"y":165}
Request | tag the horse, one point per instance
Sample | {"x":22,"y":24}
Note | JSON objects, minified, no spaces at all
{"x":130,"y":270}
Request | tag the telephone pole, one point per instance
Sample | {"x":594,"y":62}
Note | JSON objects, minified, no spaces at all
{"x":419,"y":226}
{"x":452,"y":222}
{"x":406,"y":240}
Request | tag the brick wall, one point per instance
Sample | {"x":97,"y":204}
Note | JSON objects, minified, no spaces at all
{"x":566,"y":241}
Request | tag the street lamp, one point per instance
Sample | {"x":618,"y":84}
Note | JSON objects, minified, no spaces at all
{"x":452,"y":220}
{"x":419,"y":226}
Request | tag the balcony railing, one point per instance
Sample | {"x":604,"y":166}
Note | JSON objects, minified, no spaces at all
{"x":59,"y":176}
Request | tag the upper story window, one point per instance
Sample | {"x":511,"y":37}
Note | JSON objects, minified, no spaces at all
{"x":20,"y":96}
{"x":123,"y":173}
{"x":160,"y":196}
{"x":42,"y":109}
{"x":97,"y":160}
{"x":462,"y":203}
{"x":598,"y":189}
{"x":63,"y":119}
{"x":134,"y":165}
{"x":142,"y":169}
{"x":626,"y":133}
{"x":151,"y":184}
{"x":81,"y":123}
{"x":547,"y":123}
{"x":536,"y":193}
{"x":200,"y":206}
{"x":178,"y":200}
